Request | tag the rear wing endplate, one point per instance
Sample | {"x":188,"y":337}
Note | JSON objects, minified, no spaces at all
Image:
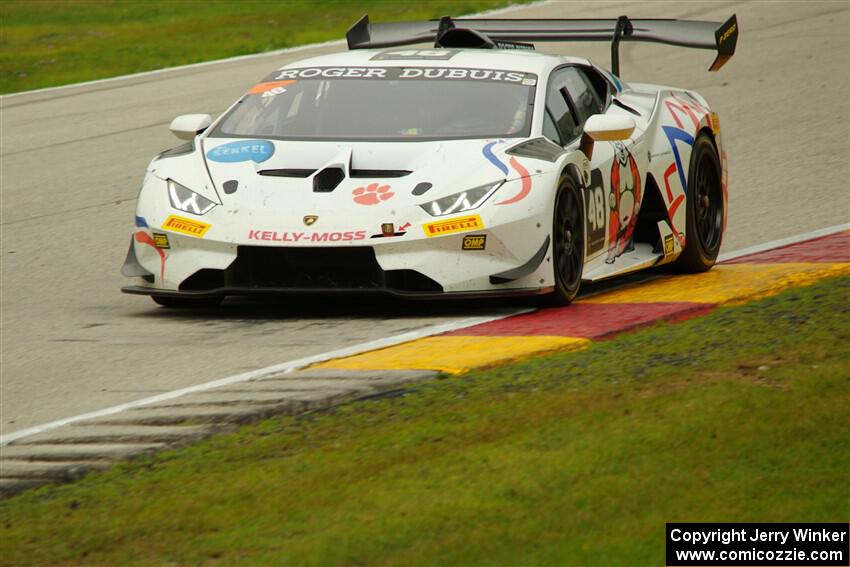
{"x":720,"y":37}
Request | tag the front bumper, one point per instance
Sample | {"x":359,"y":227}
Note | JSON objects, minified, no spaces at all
{"x":250,"y":254}
{"x":259,"y":270}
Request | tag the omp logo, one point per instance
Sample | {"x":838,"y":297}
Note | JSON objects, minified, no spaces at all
{"x":186,"y":226}
{"x":732,"y":29}
{"x":160,"y":240}
{"x":474,"y":242}
{"x":460,"y":224}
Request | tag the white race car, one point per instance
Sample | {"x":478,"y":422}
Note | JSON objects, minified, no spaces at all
{"x":475,"y":167}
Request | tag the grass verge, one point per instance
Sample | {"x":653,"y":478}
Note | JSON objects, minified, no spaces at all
{"x":577,"y":458}
{"x":45,"y":43}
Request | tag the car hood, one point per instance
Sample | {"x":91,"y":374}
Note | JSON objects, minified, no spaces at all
{"x":341,"y":176}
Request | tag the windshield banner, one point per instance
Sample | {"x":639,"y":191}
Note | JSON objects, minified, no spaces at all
{"x":405,"y":73}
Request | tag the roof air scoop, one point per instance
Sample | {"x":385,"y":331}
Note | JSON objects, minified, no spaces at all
{"x":450,"y":36}
{"x":464,"y":38}
{"x":329,"y":176}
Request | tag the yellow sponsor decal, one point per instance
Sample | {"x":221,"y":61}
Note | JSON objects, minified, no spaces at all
{"x":668,"y":245}
{"x":475,"y":242}
{"x":459,"y":224}
{"x":715,"y":123}
{"x":186,"y":226}
{"x":732,"y":29}
{"x":160,"y":240}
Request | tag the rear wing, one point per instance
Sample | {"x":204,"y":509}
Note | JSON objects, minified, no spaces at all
{"x":487,"y":33}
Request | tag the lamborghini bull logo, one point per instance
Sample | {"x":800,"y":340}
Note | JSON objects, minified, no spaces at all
{"x":624,"y":201}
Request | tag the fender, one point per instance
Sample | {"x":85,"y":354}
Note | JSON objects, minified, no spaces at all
{"x":678,"y":117}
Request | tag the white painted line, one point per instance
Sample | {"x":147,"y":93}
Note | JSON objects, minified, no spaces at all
{"x":360,"y":348}
{"x":266,"y":372}
{"x":783,"y":242}
{"x":274,"y":53}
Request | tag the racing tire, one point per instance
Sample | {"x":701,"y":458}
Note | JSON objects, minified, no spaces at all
{"x":187,"y":302}
{"x":704,"y":209}
{"x":567,"y":243}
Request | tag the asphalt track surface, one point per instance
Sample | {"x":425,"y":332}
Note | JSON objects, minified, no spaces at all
{"x":71,"y":162}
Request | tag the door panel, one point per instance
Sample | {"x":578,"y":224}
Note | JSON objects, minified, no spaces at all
{"x":613,"y":196}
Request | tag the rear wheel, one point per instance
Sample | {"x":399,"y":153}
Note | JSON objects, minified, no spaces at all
{"x":187,"y":302}
{"x":567,"y":243}
{"x":704,"y":228}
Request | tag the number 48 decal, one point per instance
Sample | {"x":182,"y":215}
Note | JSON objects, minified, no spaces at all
{"x":597,"y":213}
{"x":596,"y":208}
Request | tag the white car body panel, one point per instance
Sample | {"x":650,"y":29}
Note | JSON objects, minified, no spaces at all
{"x":271,"y":211}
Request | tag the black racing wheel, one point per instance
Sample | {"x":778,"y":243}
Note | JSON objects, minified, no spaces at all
{"x":567,"y":242}
{"x":704,"y":208}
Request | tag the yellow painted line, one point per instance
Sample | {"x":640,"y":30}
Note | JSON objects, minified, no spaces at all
{"x":725,"y":283}
{"x":454,"y":354}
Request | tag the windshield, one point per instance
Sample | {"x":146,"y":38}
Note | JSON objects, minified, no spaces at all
{"x":384,"y":104}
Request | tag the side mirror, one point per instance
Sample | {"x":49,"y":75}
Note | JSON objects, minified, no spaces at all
{"x":187,"y":126}
{"x":604,"y":128}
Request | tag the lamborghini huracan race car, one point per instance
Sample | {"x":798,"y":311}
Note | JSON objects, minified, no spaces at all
{"x":477,"y":166}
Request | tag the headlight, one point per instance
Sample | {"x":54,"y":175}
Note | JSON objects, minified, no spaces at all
{"x":463,"y":201}
{"x":186,"y":200}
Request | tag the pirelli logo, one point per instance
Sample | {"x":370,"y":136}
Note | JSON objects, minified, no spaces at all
{"x":186,"y":226}
{"x":459,"y":224}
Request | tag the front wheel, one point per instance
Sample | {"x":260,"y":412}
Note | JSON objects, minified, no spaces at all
{"x":567,"y":243}
{"x":704,"y":228}
{"x":187,"y":302}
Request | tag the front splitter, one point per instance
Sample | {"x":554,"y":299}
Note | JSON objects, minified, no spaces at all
{"x":273,"y":291}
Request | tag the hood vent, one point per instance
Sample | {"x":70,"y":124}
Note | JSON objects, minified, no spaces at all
{"x":326,"y":180}
{"x":355,"y":173}
{"x":291,"y":172}
{"x":380,"y":173}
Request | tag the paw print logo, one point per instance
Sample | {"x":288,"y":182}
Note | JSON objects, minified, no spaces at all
{"x":372,"y":194}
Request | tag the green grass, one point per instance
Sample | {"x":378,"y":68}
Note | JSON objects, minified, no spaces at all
{"x":45,"y":43}
{"x":575,"y":458}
